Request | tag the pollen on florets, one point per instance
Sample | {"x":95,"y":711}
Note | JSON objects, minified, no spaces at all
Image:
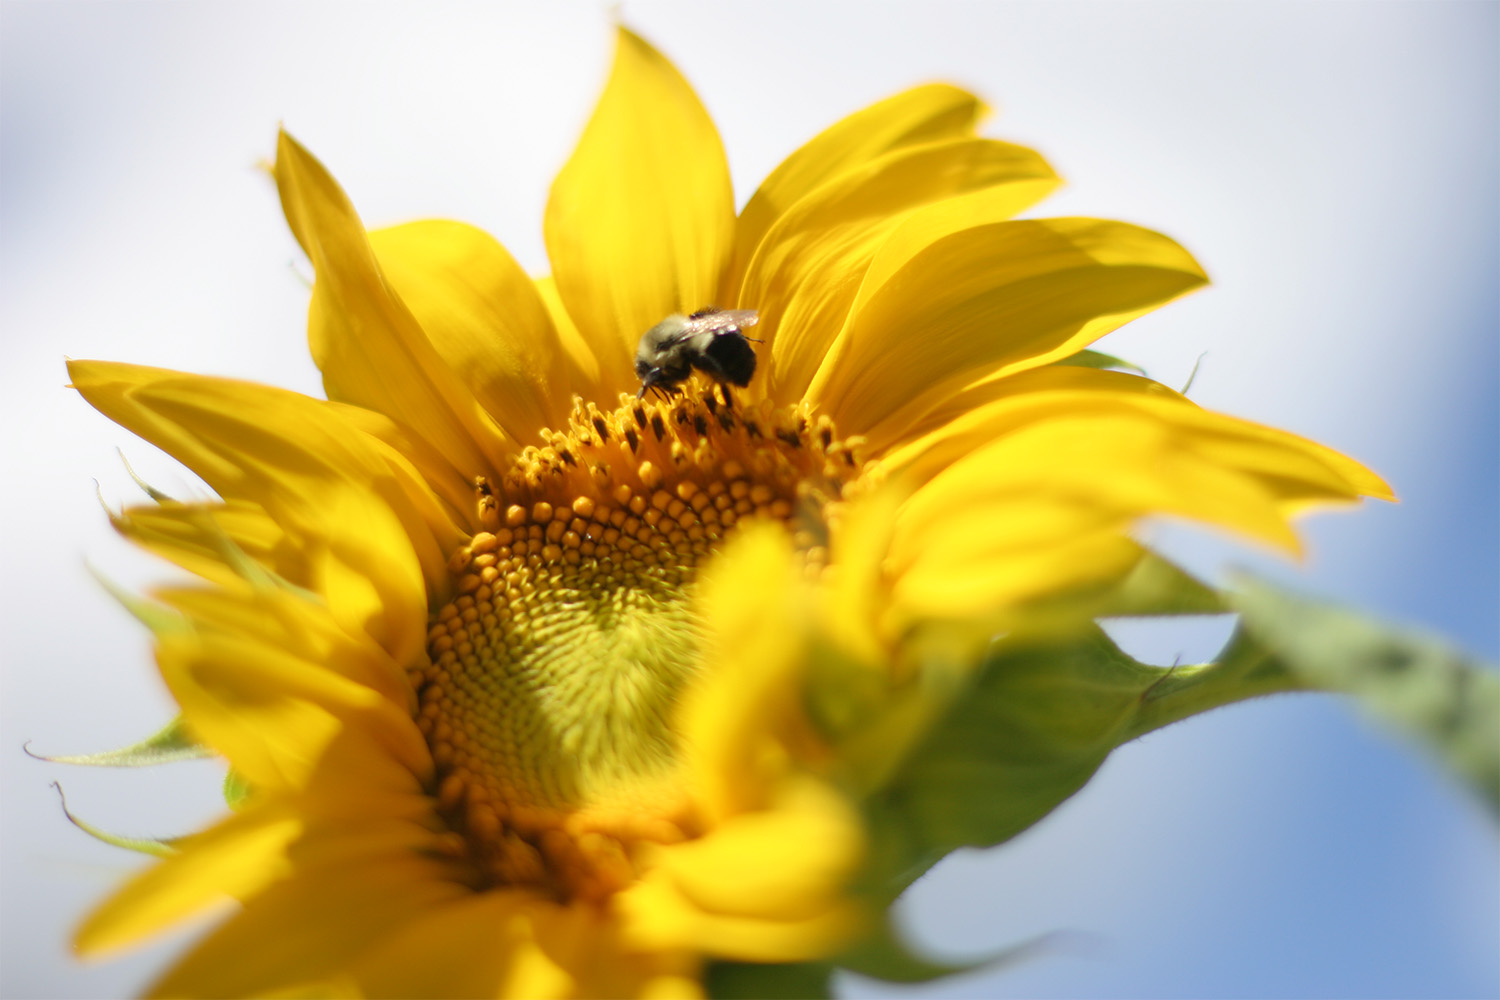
{"x":553,"y":675}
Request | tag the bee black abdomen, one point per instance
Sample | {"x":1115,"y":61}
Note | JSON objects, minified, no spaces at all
{"x":729,"y":358}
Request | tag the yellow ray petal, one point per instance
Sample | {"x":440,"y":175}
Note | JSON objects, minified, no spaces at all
{"x":434,"y":473}
{"x":1118,"y":464}
{"x":484,"y":316}
{"x":583,"y":365}
{"x":788,"y":862}
{"x":191,"y":535}
{"x":929,"y":113}
{"x":308,"y":928}
{"x":806,"y":272}
{"x":1032,"y":492}
{"x":934,"y":316}
{"x":235,"y":858}
{"x":512,"y":943}
{"x":765,"y":886}
{"x":898,"y":441}
{"x":640,"y":219}
{"x":273,"y":714}
{"x":732,"y":718}
{"x":1290,"y":467}
{"x":482,"y":946}
{"x":348,"y":498}
{"x":657,"y":917}
{"x":369,"y":347}
{"x":292,"y":622}
{"x":960,"y":579}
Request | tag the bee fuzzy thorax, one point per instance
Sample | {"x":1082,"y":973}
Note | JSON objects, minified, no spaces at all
{"x":710,"y":340}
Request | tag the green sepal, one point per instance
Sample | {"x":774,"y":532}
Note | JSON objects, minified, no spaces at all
{"x":1098,"y":359}
{"x":1158,"y":587}
{"x":158,"y":619}
{"x":1039,"y":717}
{"x":1413,"y":682}
{"x":160,"y":848}
{"x":169,"y":744}
{"x":757,"y":981}
{"x":236,"y":790}
{"x":885,"y":954}
{"x":150,"y":491}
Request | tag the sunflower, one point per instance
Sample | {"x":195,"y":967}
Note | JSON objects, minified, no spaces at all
{"x":534,"y":685}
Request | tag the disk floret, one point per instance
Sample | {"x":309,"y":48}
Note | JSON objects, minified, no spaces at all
{"x":553,"y":675}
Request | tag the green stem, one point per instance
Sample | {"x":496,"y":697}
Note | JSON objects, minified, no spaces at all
{"x":1243,"y":671}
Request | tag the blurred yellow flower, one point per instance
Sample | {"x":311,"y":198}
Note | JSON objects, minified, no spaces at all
{"x":532,"y":688}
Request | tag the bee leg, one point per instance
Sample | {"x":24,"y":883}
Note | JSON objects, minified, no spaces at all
{"x":728,"y":399}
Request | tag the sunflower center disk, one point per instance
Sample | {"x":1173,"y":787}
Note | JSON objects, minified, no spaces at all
{"x":549,"y":698}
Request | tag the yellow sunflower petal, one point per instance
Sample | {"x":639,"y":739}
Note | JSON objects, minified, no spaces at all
{"x":192,"y":535}
{"x":482,"y":946}
{"x":933,"y":316}
{"x":730,"y":720}
{"x":965,"y":575}
{"x":1292,"y":468}
{"x":290,"y":621}
{"x":583,"y":365}
{"x":309,"y":928}
{"x":766,"y":881}
{"x":434,"y":473}
{"x":930,"y":113}
{"x":235,"y":858}
{"x":273,"y":715}
{"x":1034,"y":492}
{"x":766,"y":886}
{"x":586,"y":941}
{"x":346,"y":496}
{"x":484,"y":316}
{"x":806,"y":273}
{"x":1117,"y":463}
{"x":897,"y":441}
{"x":640,"y":220}
{"x":656,"y":917}
{"x":369,"y":347}
{"x":783,"y":863}
{"x":518,"y":944}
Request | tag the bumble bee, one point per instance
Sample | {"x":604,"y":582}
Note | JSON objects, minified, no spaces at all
{"x":711,"y":340}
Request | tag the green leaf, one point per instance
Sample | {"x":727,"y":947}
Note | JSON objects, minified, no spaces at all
{"x":159,"y":848}
{"x":1046,"y":708}
{"x":170,"y":743}
{"x":757,"y":981}
{"x":1040,"y":716}
{"x":1417,"y":683}
{"x":1098,"y":359}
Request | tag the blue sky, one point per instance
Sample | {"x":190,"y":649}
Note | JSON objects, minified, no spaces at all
{"x":1332,"y":165}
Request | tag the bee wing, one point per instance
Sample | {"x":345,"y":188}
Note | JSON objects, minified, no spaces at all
{"x":720,"y":321}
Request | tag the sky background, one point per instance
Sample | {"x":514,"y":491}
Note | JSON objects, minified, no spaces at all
{"x":1333,"y":166}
